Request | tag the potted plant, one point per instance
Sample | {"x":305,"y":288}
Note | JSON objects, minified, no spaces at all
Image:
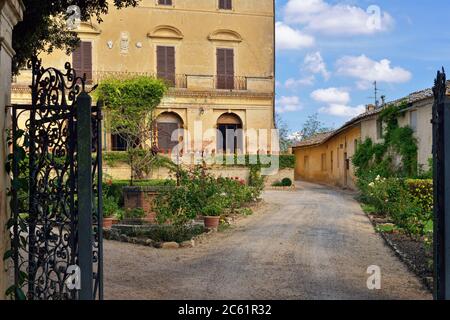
{"x":111,"y":212}
{"x":212,"y":212}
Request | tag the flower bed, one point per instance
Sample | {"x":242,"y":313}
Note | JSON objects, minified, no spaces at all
{"x":401,"y":210}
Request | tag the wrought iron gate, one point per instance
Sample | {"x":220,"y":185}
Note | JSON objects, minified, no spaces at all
{"x":57,"y":190}
{"x":441,"y":171}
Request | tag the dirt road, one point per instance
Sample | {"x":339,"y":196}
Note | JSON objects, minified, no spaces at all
{"x":314,"y":243}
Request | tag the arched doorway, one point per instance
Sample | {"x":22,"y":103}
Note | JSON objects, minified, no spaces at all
{"x":229,"y":134}
{"x":166,"y":124}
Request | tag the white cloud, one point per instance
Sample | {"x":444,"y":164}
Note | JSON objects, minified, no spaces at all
{"x":288,"y":104}
{"x":341,"y":110}
{"x":314,"y":63}
{"x":292,"y":83}
{"x":336,"y":19}
{"x":331,"y":96}
{"x":368,"y":71}
{"x":337,"y":102}
{"x":288,"y":38}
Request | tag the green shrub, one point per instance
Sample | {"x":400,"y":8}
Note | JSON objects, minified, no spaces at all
{"x":407,"y":203}
{"x":136,"y":213}
{"x":111,"y":208}
{"x":277,"y":184}
{"x":200,"y":193}
{"x":214,"y":207}
{"x":286,"y":182}
{"x":422,"y":191}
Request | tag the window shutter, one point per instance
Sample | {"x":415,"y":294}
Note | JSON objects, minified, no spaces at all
{"x":230,"y":68}
{"x":77,"y":60}
{"x":161,"y":62}
{"x":221,"y":69}
{"x":87,"y":61}
{"x":225,"y":69}
{"x":170,"y":64}
{"x":82,"y":61}
{"x":166,"y":63}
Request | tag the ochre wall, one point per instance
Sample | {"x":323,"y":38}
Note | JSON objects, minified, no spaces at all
{"x":334,"y":172}
{"x":196,"y":29}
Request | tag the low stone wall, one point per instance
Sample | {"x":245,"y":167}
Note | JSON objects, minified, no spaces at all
{"x":122,"y":172}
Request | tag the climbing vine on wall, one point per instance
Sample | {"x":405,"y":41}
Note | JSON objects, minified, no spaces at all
{"x":395,"y":156}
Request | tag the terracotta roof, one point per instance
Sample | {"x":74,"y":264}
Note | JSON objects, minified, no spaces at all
{"x":317,"y":139}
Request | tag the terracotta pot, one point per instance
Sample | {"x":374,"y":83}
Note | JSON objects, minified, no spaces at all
{"x":211,"y":222}
{"x":115,"y":221}
{"x":108,"y":223}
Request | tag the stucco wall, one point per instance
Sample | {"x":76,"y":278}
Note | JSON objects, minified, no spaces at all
{"x":335,"y":149}
{"x":423,"y":133}
{"x":196,"y":29}
{"x":10,"y":14}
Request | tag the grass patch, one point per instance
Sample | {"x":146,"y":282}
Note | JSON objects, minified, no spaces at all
{"x":367,"y":208}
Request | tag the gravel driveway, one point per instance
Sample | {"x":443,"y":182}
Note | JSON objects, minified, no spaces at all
{"x":313,"y":243}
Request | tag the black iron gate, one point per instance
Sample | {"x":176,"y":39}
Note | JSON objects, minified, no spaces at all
{"x":441,"y":170}
{"x":56,"y":189}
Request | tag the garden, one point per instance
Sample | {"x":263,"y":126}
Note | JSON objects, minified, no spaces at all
{"x":397,"y":194}
{"x":179,"y":210}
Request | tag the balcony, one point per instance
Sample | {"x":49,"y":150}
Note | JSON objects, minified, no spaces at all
{"x":199,"y":82}
{"x":183,"y":81}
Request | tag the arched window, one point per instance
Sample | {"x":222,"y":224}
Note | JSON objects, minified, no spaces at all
{"x":230,"y":136}
{"x":166,"y":124}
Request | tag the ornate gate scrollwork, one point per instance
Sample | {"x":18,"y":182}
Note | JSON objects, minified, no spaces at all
{"x":56,"y":189}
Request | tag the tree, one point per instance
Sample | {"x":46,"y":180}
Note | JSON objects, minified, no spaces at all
{"x":44,"y":29}
{"x":283,"y":133}
{"x":130,"y":104}
{"x":313,"y":126}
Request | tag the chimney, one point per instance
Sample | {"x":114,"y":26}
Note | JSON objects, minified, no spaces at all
{"x":370,"y":107}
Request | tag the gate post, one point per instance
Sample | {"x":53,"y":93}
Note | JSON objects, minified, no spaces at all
{"x":85,"y":198}
{"x":441,"y":157}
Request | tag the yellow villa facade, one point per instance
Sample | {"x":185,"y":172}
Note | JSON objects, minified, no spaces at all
{"x":217,"y":56}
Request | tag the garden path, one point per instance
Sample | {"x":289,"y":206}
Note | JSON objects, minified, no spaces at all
{"x":312,"y":243}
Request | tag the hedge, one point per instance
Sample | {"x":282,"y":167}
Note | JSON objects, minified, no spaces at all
{"x":287,"y":161}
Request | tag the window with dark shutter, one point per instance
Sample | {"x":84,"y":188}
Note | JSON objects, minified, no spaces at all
{"x":165,"y":131}
{"x":165,"y":2}
{"x":82,"y":60}
{"x":166,"y":63}
{"x":225,"y":4}
{"x":225,"y":69}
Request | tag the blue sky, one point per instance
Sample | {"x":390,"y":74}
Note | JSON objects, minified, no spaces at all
{"x":330,"y":52}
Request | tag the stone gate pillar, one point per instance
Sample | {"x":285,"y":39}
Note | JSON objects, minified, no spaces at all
{"x":11,"y":12}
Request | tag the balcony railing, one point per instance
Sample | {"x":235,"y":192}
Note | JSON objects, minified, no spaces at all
{"x":186,"y":81}
{"x":230,"y":82}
